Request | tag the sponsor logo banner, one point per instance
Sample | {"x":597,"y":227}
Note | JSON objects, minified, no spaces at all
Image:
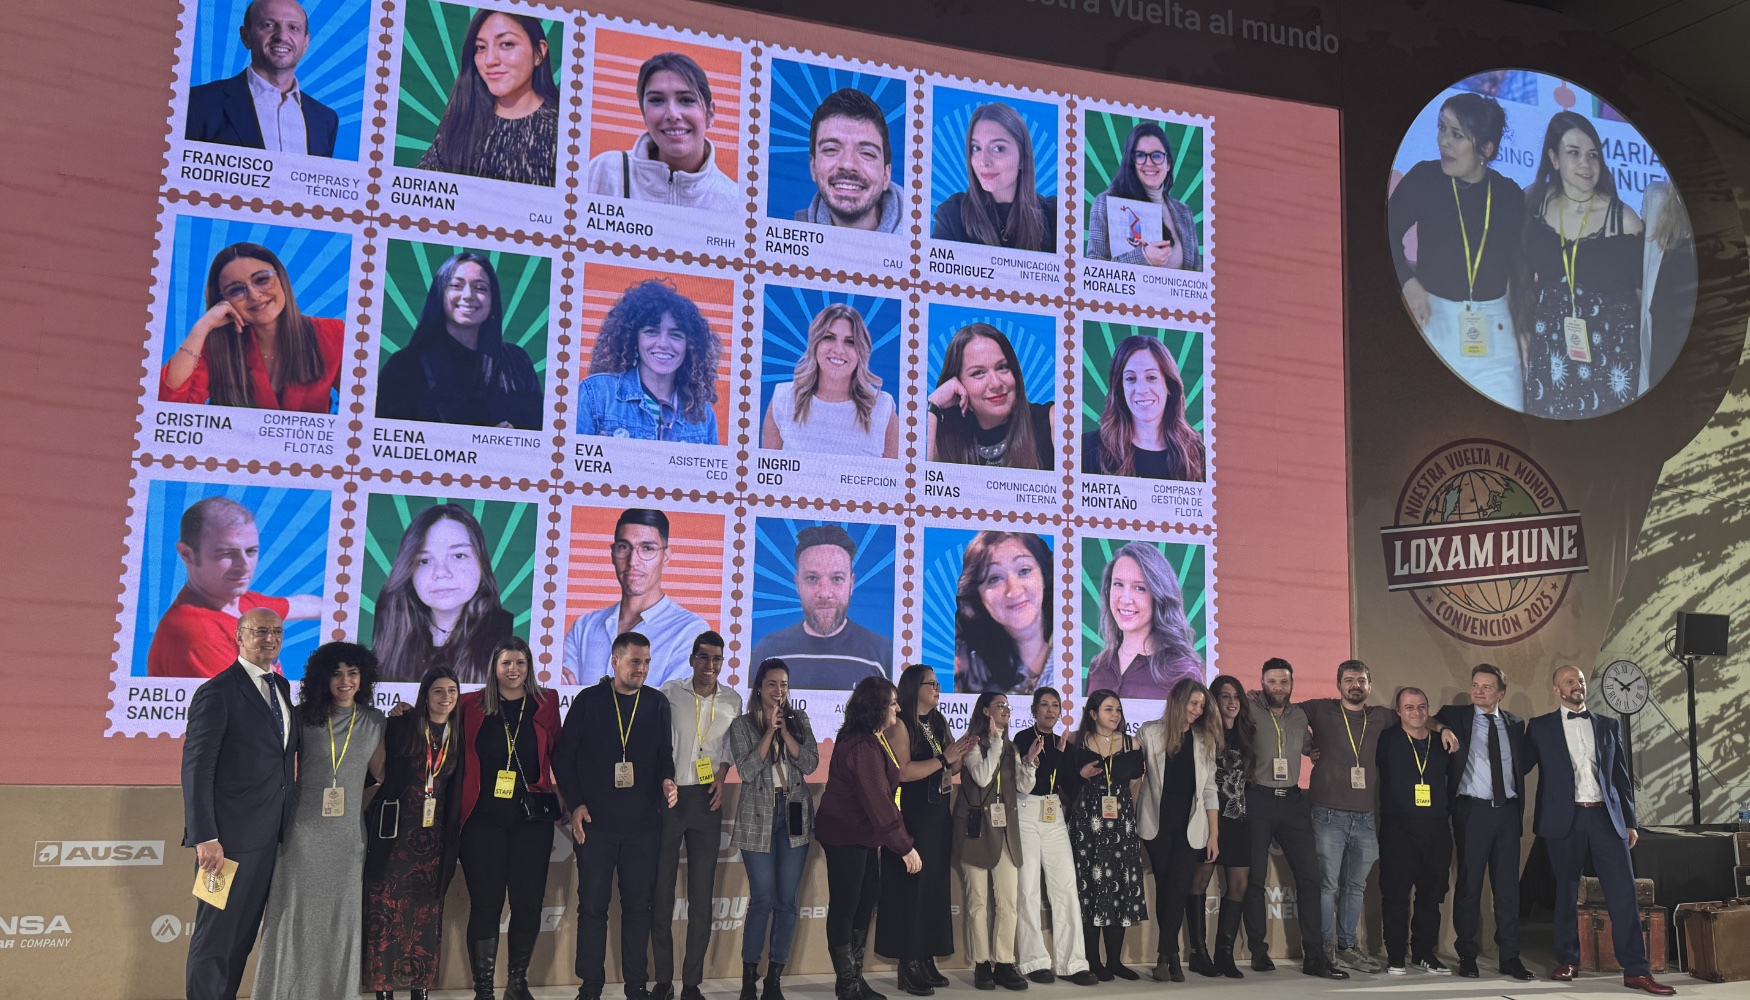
{"x":97,"y":853}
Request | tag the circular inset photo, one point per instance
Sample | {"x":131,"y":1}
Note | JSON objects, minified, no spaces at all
{"x":1541,"y":245}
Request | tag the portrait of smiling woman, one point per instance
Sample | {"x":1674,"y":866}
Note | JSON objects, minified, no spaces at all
{"x":1001,"y":205}
{"x":1002,"y":627}
{"x":1149,"y":645}
{"x":502,"y":119}
{"x":653,"y":371}
{"x":440,"y":604}
{"x":456,"y":368}
{"x":671,"y":162}
{"x":979,"y":411}
{"x":253,"y":347}
{"x":1145,"y":173}
{"x":835,"y":404}
{"x":1143,"y":431}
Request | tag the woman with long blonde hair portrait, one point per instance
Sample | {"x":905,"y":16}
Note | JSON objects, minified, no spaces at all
{"x":835,"y":404}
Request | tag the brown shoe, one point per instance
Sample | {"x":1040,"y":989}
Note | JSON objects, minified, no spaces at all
{"x":1565,"y":973}
{"x":1649,"y":984}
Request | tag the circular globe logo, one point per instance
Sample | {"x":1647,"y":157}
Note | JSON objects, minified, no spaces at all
{"x":1483,"y":542}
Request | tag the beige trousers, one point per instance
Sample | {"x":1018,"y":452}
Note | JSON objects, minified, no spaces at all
{"x":990,"y":910}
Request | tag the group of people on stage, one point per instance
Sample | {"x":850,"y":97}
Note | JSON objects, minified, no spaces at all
{"x":1557,"y":300}
{"x":347,"y":887}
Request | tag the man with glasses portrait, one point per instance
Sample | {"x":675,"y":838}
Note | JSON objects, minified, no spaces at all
{"x":640,"y":553}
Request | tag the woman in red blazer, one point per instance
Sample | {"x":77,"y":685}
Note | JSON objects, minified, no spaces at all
{"x":509,"y":730}
{"x":253,"y":347}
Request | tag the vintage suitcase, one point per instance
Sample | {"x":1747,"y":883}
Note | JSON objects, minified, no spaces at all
{"x":1598,"y":948}
{"x":1716,"y":939}
{"x":1742,"y":838}
{"x":1592,"y":891}
{"x":1741,"y":881}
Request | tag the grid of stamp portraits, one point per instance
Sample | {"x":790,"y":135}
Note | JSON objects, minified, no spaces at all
{"x":476,"y":319}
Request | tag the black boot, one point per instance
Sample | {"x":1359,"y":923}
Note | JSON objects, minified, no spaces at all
{"x":750,"y":981}
{"x":1115,"y":954}
{"x":844,"y":972}
{"x":385,"y":995}
{"x":914,"y":980}
{"x":933,"y":975}
{"x":983,"y":976}
{"x":1197,"y":928}
{"x":860,"y":938}
{"x":1227,"y":932}
{"x":1008,"y":977}
{"x":772,"y":991}
{"x":483,"y":960}
{"x":519,"y":950}
{"x":419,"y":994}
{"x":1091,"y":942}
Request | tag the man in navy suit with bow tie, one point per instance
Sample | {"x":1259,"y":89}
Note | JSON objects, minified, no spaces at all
{"x":1586,"y":812}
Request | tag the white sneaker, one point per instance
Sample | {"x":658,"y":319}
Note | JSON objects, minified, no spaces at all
{"x":1396,"y":970}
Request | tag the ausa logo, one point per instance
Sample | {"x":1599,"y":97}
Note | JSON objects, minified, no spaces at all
{"x":97,"y":853}
{"x":1484,"y":542}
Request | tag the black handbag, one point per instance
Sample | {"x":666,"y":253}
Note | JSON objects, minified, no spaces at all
{"x":542,"y":807}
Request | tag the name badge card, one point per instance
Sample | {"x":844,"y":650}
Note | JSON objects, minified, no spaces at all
{"x":425,"y":182}
{"x":968,"y":471}
{"x":955,"y":254}
{"x":1048,"y":809}
{"x":1108,"y":807}
{"x":505,"y":786}
{"x":704,"y":771}
{"x":1358,"y":778}
{"x":333,"y":801}
{"x":999,"y":815}
{"x":1172,"y":484}
{"x":1279,"y":768}
{"x":623,"y":774}
{"x":182,"y":419}
{"x":830,"y":449}
{"x":1574,"y":334}
{"x":625,"y":196}
{"x":1473,"y":333}
{"x":1424,"y":796}
{"x":1136,"y":252}
{"x":842,"y":210}
{"x":429,"y":817}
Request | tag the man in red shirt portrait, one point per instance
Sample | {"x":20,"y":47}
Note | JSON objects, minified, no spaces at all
{"x":219,"y":546}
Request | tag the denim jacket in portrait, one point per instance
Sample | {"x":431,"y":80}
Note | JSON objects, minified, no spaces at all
{"x":616,"y":405}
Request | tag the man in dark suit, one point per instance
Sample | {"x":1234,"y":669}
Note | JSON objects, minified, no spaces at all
{"x":263,"y":107}
{"x":1488,"y":813}
{"x":238,"y":797}
{"x":1586,"y":813}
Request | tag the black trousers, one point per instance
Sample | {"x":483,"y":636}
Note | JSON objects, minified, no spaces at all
{"x":694,"y":823}
{"x":1487,"y":840}
{"x":1175,"y":863}
{"x":502,"y":855}
{"x":219,"y":947}
{"x":1414,"y":854}
{"x":853,"y":884}
{"x":629,"y":852}
{"x":1287,"y":819}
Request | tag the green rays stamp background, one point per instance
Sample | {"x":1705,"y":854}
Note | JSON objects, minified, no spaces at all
{"x":431,"y":35}
{"x":1105,"y":147}
{"x":524,"y":281}
{"x":1100,"y":340}
{"x":509,"y":527}
{"x":1188,"y":562}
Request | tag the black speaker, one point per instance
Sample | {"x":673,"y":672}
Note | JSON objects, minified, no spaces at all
{"x":1701,"y":635}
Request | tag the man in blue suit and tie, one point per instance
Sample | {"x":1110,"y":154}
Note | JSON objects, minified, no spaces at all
{"x":238,"y":798}
{"x":1586,"y":812}
{"x":263,"y":107}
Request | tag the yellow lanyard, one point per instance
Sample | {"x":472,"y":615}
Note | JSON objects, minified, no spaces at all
{"x":431,"y":770}
{"x":1040,"y":735}
{"x":1106,"y":763}
{"x":511,"y":734}
{"x":1351,"y":732}
{"x":1280,"y":751}
{"x":335,"y":781}
{"x":1472,"y":267}
{"x":1421,"y":761}
{"x":625,"y":725}
{"x":889,"y":748}
{"x":1571,"y":255}
{"x":698,"y":720}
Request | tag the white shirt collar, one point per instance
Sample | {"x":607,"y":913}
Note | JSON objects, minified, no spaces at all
{"x":259,"y":86}
{"x":255,"y":673}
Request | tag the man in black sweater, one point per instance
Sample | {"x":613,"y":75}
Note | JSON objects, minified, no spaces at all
{"x":1415,"y":837}
{"x":615,"y":768}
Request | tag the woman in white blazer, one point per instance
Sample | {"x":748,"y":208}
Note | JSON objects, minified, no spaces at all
{"x":1177,"y":815}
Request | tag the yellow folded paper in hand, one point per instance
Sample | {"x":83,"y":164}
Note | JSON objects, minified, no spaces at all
{"x":213,"y":889}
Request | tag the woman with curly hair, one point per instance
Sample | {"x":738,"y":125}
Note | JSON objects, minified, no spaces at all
{"x":440,"y":604}
{"x":653,"y":372}
{"x":312,"y":939}
{"x":1143,"y":431}
{"x":502,"y":119}
{"x":1002,"y":627}
{"x":1148,"y":642}
{"x":835,"y":404}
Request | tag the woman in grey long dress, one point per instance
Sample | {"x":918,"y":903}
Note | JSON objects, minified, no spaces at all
{"x":312,"y":934}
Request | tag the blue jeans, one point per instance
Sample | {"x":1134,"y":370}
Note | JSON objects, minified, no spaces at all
{"x":773,"y":879}
{"x":1348,"y":846}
